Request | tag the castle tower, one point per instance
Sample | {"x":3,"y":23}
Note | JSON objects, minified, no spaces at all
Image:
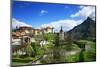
{"x":61,"y":34}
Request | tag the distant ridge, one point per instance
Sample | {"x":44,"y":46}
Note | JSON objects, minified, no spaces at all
{"x":86,"y":30}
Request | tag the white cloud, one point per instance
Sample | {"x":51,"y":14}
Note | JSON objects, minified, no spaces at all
{"x":42,"y":12}
{"x":92,"y":15}
{"x":18,"y":23}
{"x":81,"y":7}
{"x":84,"y":12}
{"x":66,"y":24}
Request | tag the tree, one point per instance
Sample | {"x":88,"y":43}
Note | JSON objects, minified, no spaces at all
{"x":29,"y":50}
{"x":56,"y":50}
{"x":49,"y":36}
{"x":34,"y":48}
{"x":69,"y":39}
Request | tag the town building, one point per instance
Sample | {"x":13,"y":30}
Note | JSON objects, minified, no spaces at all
{"x":22,"y":36}
{"x":47,"y":30}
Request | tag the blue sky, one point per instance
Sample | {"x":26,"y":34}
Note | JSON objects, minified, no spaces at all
{"x":37,"y":14}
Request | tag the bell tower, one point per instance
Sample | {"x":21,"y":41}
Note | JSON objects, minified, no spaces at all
{"x":17,"y":27}
{"x":61,"y":30}
{"x":61,"y":34}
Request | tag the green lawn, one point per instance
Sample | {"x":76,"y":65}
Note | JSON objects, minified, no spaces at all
{"x":25,"y":60}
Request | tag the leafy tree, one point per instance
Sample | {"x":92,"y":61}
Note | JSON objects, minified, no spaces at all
{"x":34,"y":47}
{"x":69,"y":39}
{"x":29,"y":50}
{"x":37,"y":49}
{"x":49,"y":36}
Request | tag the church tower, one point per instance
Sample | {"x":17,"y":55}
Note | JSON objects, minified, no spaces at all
{"x":61,"y":34}
{"x":17,"y":27}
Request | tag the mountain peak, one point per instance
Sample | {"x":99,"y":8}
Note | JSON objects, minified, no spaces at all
{"x":87,"y":29}
{"x":90,"y":19}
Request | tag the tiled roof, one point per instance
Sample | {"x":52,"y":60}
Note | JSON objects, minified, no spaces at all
{"x":16,"y":33}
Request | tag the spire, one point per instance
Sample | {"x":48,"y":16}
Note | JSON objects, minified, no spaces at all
{"x":61,"y":30}
{"x":17,"y":27}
